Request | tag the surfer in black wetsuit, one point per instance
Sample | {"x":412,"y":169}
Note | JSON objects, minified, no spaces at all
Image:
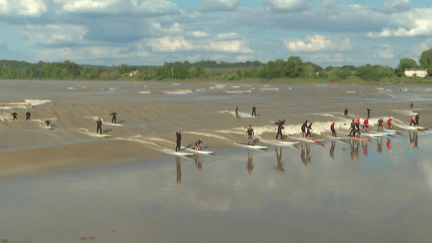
{"x":99,"y":126}
{"x":250,"y":133}
{"x":114,"y":117}
{"x":332,"y":129}
{"x":236,"y":111}
{"x":353,"y":128}
{"x":178,"y":141}
{"x":198,"y":144}
{"x":380,"y":124}
{"x":417,"y":119}
{"x":303,"y":128}
{"x":253,"y":111}
{"x":48,"y":122}
{"x":411,"y":105}
{"x":368,"y":112}
{"x":308,"y":128}
{"x":14,"y":116}
{"x":346,"y":113}
{"x":27,"y":114}
{"x":357,"y":125}
{"x":280,"y":127}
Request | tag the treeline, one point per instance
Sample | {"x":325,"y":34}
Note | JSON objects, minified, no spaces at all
{"x":292,"y":68}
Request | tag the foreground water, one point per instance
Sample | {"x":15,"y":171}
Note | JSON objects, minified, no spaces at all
{"x":380,"y":191}
{"x":342,"y":191}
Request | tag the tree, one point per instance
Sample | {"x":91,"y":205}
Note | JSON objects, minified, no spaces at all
{"x":405,"y":63}
{"x":308,"y":72}
{"x":376,"y":72}
{"x":294,"y":67}
{"x":426,"y":61}
{"x":181,"y":72}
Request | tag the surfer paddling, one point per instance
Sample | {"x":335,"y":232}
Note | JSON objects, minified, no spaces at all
{"x":280,"y":127}
{"x":114,"y":117}
{"x":178,"y":141}
{"x":250,"y":133}
{"x":99,"y":126}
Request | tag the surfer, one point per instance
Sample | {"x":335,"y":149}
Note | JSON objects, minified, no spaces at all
{"x":332,"y":129}
{"x":198,"y":144}
{"x":353,"y":128}
{"x":303,"y":128}
{"x":178,"y":136}
{"x":366,"y":124}
{"x":346,"y":112}
{"x":27,"y":114}
{"x":368,"y":112}
{"x":236,"y":111}
{"x":99,"y":126}
{"x":411,"y":105}
{"x":114,"y":117}
{"x":48,"y":122}
{"x":308,"y":128}
{"x":250,"y":133}
{"x":357,"y":125}
{"x":417,"y":119}
{"x":253,"y":111}
{"x":413,"y":120}
{"x":14,"y":116}
{"x":280,"y":127}
{"x":389,"y":122}
{"x":380,"y":124}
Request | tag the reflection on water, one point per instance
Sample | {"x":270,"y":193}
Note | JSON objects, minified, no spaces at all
{"x":332,"y":149}
{"x":198,"y":162}
{"x":305,"y":154}
{"x":388,"y":144}
{"x":364,"y":147}
{"x":280,"y":165}
{"x":379,"y":145}
{"x":250,"y":164}
{"x":413,"y":139}
{"x":178,"y":169}
{"x":355,"y":147}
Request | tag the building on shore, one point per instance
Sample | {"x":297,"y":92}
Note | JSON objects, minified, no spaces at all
{"x":417,"y":72}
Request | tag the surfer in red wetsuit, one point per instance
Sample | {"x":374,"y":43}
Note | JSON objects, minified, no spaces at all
{"x":413,"y":120}
{"x":389,"y":122}
{"x":366,"y":124}
{"x":332,"y":129}
{"x":250,"y":133}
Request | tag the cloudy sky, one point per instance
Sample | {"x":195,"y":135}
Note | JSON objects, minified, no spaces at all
{"x":151,"y":32}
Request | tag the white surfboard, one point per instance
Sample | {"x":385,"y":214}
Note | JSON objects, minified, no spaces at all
{"x":206,"y":152}
{"x":279,"y":143}
{"x":413,"y":128}
{"x":309,"y":140}
{"x":182,"y":153}
{"x":251,"y":146}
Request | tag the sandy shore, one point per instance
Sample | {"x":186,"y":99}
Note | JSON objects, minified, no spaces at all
{"x":149,"y":113}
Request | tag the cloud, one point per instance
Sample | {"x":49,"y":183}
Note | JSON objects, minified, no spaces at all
{"x":288,"y":5}
{"x":169,"y":44}
{"x":175,"y":27}
{"x":199,"y":34}
{"x":395,"y":6}
{"x":244,"y":58}
{"x":52,"y":34}
{"x":386,"y":52}
{"x":318,"y":43}
{"x":219,"y":5}
{"x":328,"y":57}
{"x":23,"y":7}
{"x":418,"y":49}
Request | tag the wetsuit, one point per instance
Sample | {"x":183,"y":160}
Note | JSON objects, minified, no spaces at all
{"x":368,"y":112}
{"x":380,"y":124}
{"x":280,"y":127}
{"x":303,"y":128}
{"x":366,"y":124}
{"x":250,"y":133}
{"x":236,"y":111}
{"x":198,"y":144}
{"x":14,"y":116}
{"x":254,"y":111}
{"x":99,"y":126}
{"x":28,"y":115}
{"x":413,"y":120}
{"x":47,"y":122}
{"x":353,"y":128}
{"x":114,"y":118}
{"x":412,"y":105}
{"x":417,"y":119}
{"x":178,"y":143}
{"x":389,"y":123}
{"x":346,"y":112}
{"x":357,"y":125}
{"x":332,"y":129}
{"x":308,"y":130}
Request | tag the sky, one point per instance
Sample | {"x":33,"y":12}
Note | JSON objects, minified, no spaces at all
{"x":152,"y":32}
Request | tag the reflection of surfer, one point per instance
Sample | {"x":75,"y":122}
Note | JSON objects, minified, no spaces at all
{"x":332,"y":149}
{"x":250,"y":133}
{"x":280,"y":127}
{"x":99,"y":126}
{"x":178,"y":141}
{"x":305,"y":154}
{"x":388,"y":144}
{"x":346,"y":113}
{"x":380,"y":124}
{"x":332,"y":129}
{"x":14,"y":116}
{"x":114,"y":117}
{"x":379,"y":145}
{"x":253,"y":111}
{"x":178,"y":170}
{"x":249,"y":164}
{"x":198,"y":162}
{"x":236,"y":111}
{"x":303,"y":128}
{"x":28,"y":115}
{"x":364,"y":148}
{"x":357,"y":149}
{"x":413,"y":140}
{"x":279,"y":160}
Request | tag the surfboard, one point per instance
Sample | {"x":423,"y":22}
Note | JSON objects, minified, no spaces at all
{"x":253,"y":146}
{"x":413,"y":128}
{"x":377,"y":135}
{"x":182,"y":153}
{"x":309,"y":140}
{"x":207,"y":152}
{"x":359,"y":138}
{"x":279,"y":143}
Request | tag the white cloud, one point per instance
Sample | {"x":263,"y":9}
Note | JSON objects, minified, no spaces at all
{"x":392,"y":6}
{"x":176,"y":27}
{"x":169,"y":44}
{"x":418,"y":49}
{"x":218,"y":5}
{"x":418,"y":20}
{"x":327,"y":57}
{"x":288,"y":5}
{"x":318,"y":43}
{"x":231,"y":35}
{"x":243,"y":58}
{"x":199,"y":34}
{"x":53,"y":34}
{"x":87,"y":5}
{"x":235,"y":46}
{"x":23,"y":7}
{"x":386,"y":52}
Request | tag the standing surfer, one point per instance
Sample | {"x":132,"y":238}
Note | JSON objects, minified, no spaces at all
{"x":346,"y":112}
{"x":198,"y":144}
{"x":380,"y":124}
{"x":332,"y":129}
{"x":280,"y":127}
{"x":27,"y":114}
{"x":308,"y":128}
{"x":413,"y":120}
{"x":417,"y":119}
{"x":303,"y":128}
{"x":411,"y":106}
{"x":48,"y":122}
{"x":389,"y":122}
{"x":353,"y":128}
{"x":236,"y":111}
{"x":99,"y":126}
{"x":250,"y":133}
{"x":253,"y":111}
{"x":14,"y":116}
{"x":366,"y":124}
{"x":178,"y":141}
{"x":114,"y":117}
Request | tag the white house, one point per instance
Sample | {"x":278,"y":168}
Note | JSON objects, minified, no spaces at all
{"x":133,"y":73}
{"x":418,"y":72}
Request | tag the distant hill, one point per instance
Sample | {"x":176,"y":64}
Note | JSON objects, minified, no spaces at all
{"x":12,"y":64}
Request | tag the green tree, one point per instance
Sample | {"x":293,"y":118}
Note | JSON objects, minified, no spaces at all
{"x":308,"y":72}
{"x":426,"y":61}
{"x":405,"y":63}
{"x":148,"y":74}
{"x":181,"y":72}
{"x":294,"y":67}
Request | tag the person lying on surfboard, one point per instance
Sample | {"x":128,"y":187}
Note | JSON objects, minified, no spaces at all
{"x":332,"y":129}
{"x":250,"y":133}
{"x":198,"y":144}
